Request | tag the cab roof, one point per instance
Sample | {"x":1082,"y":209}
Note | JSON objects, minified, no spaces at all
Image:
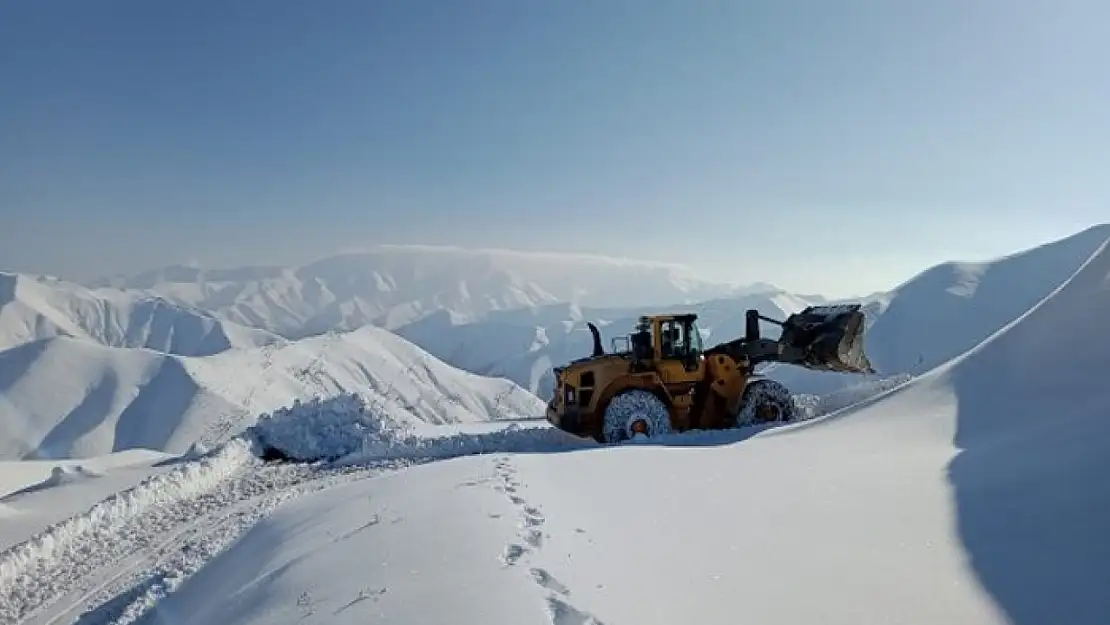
{"x":670,"y":316}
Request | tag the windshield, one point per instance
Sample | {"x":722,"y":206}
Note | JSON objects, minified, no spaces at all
{"x":693,"y":332}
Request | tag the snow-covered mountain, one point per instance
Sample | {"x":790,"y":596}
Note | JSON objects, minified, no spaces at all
{"x":38,"y":307}
{"x":391,"y":286}
{"x":62,"y":397}
{"x":975,"y":493}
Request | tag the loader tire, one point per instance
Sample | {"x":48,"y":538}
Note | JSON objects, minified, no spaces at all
{"x":764,"y":402}
{"x":625,"y":409}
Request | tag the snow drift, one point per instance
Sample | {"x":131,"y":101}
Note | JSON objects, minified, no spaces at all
{"x":34,"y":308}
{"x":973,"y":494}
{"x":64,"y":398}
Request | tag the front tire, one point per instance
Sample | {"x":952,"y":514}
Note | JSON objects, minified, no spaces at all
{"x":764,"y":402}
{"x":630,"y":407}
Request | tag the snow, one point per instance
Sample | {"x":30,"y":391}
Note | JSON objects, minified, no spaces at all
{"x":35,"y":494}
{"x":968,"y":492}
{"x":330,"y":428}
{"x":68,"y":398}
{"x":948,"y":309}
{"x":40,"y":307}
{"x":972,"y":494}
{"x":394,"y":285}
{"x":349,"y":429}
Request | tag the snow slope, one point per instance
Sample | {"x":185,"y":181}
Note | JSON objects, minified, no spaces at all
{"x":973,"y":494}
{"x":394,"y":285}
{"x":38,"y":307}
{"x":62,"y":397}
{"x":947,"y":309}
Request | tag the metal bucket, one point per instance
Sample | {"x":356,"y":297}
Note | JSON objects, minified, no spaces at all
{"x":830,"y":337}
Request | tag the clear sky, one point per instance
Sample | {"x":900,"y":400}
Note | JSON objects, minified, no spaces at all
{"x":823,"y":146}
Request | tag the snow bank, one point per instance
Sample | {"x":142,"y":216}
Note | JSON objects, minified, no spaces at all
{"x":28,"y":569}
{"x":347,"y":427}
{"x":813,"y":406}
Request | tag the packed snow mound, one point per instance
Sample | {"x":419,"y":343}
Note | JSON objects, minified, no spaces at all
{"x":66,"y":398}
{"x":391,"y":286}
{"x":34,"y":308}
{"x":326,"y":428}
{"x":349,"y":428}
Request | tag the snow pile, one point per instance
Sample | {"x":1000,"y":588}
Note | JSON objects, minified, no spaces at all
{"x":350,"y":429}
{"x":326,"y":428}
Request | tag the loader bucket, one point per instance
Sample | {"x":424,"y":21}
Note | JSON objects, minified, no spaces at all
{"x":830,"y":338}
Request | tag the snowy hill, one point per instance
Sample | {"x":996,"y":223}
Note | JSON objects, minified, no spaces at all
{"x":64,"y":397}
{"x":35,"y":307}
{"x":947,"y":309}
{"x":973,"y":494}
{"x":391,"y":286}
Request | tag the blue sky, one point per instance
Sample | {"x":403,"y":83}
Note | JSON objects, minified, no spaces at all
{"x":823,"y":146}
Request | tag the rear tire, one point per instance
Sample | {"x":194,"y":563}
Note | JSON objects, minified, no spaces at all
{"x":764,"y":402}
{"x":633,"y":405}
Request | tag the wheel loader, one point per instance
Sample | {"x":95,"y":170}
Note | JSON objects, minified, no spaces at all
{"x":661,"y":379}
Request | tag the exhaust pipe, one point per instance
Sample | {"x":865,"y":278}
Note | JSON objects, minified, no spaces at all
{"x":598,"y":350}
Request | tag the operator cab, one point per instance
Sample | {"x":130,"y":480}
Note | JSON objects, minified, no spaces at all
{"x":668,"y":337}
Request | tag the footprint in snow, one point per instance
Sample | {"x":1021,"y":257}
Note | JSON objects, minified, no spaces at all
{"x":547,"y":581}
{"x":513,"y":552}
{"x":563,"y":613}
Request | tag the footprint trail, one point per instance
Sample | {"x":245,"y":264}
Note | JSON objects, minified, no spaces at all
{"x":531,"y":523}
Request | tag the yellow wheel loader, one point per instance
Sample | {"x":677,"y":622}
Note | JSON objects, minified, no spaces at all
{"x":661,"y":379}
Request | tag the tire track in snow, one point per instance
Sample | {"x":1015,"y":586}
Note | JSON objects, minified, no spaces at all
{"x":128,"y":551}
{"x":532,"y":520}
{"x":133,"y":594}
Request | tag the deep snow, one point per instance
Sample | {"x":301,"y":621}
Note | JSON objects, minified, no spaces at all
{"x":973,"y":494}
